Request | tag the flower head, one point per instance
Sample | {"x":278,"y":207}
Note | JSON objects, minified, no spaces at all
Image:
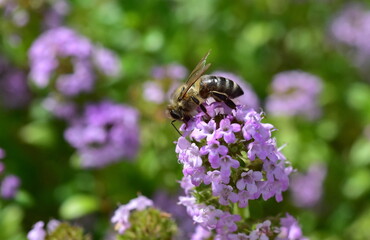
{"x":106,"y":133}
{"x":306,"y":188}
{"x":122,"y":214}
{"x":9,"y":186}
{"x":295,"y":93}
{"x":351,"y":27}
{"x":233,"y":134}
{"x":69,"y":58}
{"x":165,"y":80}
{"x":37,"y":232}
{"x":14,"y":92}
{"x":237,"y":161}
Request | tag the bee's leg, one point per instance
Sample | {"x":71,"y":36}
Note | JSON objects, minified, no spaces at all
{"x":202,"y":107}
{"x":175,"y":126}
{"x":221,"y":97}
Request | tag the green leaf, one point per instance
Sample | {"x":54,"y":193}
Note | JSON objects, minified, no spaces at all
{"x":78,"y":205}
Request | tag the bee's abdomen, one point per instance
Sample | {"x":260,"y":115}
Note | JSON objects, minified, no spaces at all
{"x":219,"y":84}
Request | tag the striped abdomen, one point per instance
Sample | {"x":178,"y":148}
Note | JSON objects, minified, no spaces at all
{"x":219,"y":84}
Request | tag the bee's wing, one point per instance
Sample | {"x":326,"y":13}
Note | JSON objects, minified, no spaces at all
{"x":196,"y":74}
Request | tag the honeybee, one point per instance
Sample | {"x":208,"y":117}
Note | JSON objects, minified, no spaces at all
{"x":185,"y":100}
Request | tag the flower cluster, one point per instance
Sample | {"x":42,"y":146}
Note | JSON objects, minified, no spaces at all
{"x":289,"y":229}
{"x":19,"y":14}
{"x":351,"y":27}
{"x":122,"y":214}
{"x":10,"y":183}
{"x":106,"y":133}
{"x":235,"y":153}
{"x":38,"y":232}
{"x":14,"y":92}
{"x":139,"y":219}
{"x":56,"y":230}
{"x":70,"y":59}
{"x":167,"y":202}
{"x":306,"y":188}
{"x":166,"y":80}
{"x":228,"y":158}
{"x":295,"y":93}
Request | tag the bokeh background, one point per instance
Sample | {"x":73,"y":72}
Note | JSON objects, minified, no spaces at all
{"x":83,"y":91}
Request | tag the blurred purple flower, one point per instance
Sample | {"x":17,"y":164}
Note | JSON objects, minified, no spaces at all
{"x":201,"y":233}
{"x":153,"y":92}
{"x":307,"y":188}
{"x":2,"y":153}
{"x":295,"y":93}
{"x":352,"y":27}
{"x":168,"y":203}
{"x":37,"y":232}
{"x":290,"y":229}
{"x":166,"y":80}
{"x":2,"y":167}
{"x":172,"y":71}
{"x":106,"y":61}
{"x":249,"y":98}
{"x":13,"y":11}
{"x":70,"y":59}
{"x":106,"y":133}
{"x":14,"y":92}
{"x":121,"y":216}
{"x":55,"y":13}
{"x":9,"y":186}
{"x":60,"y":108}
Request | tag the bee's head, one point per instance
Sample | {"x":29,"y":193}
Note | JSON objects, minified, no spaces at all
{"x":174,"y":114}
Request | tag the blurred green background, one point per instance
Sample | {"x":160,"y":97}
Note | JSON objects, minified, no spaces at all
{"x":250,"y":38}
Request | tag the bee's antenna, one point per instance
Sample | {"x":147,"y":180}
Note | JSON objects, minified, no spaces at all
{"x":175,"y":126}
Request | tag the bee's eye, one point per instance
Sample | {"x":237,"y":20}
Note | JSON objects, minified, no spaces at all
{"x":175,"y":115}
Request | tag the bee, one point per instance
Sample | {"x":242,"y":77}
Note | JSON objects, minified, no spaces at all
{"x":197,"y":89}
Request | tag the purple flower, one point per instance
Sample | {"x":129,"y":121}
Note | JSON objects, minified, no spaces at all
{"x":225,"y":194}
{"x":2,"y":153}
{"x":14,"y":92}
{"x":55,"y":13}
{"x":153,"y":92}
{"x":201,"y":233}
{"x":221,"y":145}
{"x":262,"y":231}
{"x":168,"y":203}
{"x":290,"y":229}
{"x":256,"y":141}
{"x":227,"y":130}
{"x":204,"y":130}
{"x":172,"y":71}
{"x":60,"y":108}
{"x":106,"y":133}
{"x":166,"y":80}
{"x":226,"y":162}
{"x":248,"y":180}
{"x":9,"y":186}
{"x":120,"y":219}
{"x":249,"y":98}
{"x":106,"y":61}
{"x":121,"y":216}
{"x":37,"y":232}
{"x":214,"y":151}
{"x":307,"y":188}
{"x":351,"y":27}
{"x":295,"y":93}
{"x":70,"y":59}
